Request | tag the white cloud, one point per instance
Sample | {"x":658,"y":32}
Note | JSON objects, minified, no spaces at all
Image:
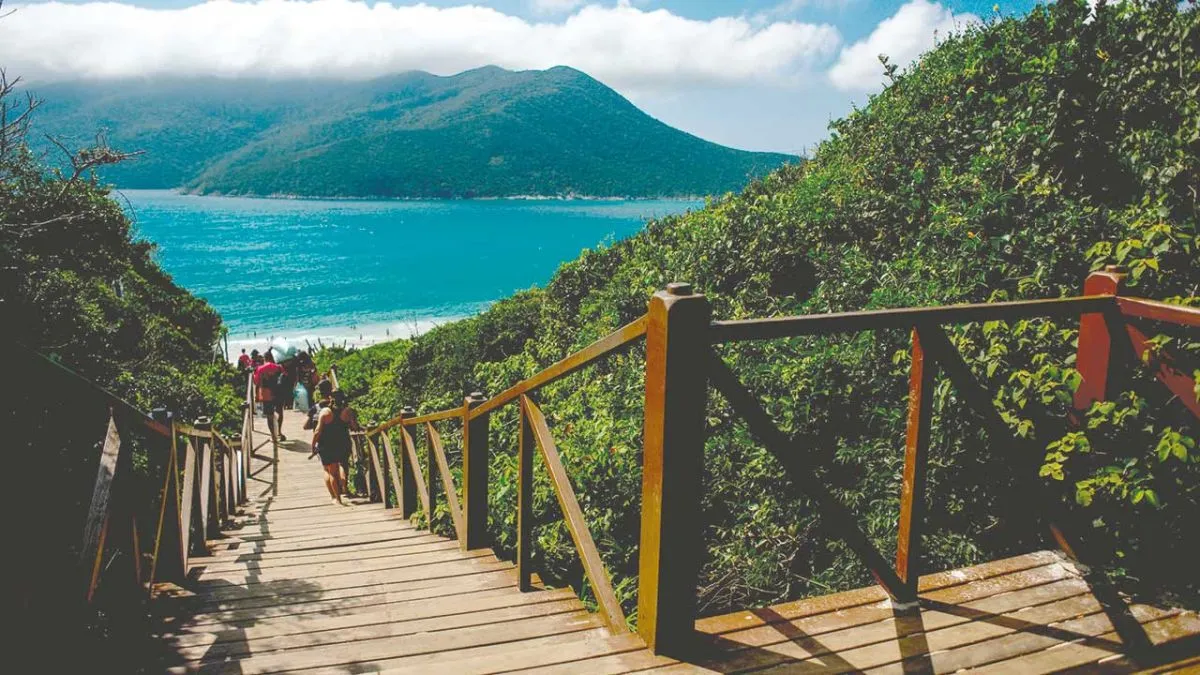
{"x":623,"y":45}
{"x":903,"y":36}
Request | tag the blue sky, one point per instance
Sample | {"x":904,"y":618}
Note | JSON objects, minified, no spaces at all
{"x":754,"y":74}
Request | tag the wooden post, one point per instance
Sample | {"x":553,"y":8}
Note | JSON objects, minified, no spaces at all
{"x":170,"y":557}
{"x":408,"y":482}
{"x":377,"y":468}
{"x":673,"y":459}
{"x":475,"y":475}
{"x":916,"y":451}
{"x":193,"y":527}
{"x":525,"y":503}
{"x":1094,"y":357}
{"x":99,"y":518}
{"x":431,"y":474}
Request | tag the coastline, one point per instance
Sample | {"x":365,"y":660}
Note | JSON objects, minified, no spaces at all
{"x":367,"y":198}
{"x":356,"y":336}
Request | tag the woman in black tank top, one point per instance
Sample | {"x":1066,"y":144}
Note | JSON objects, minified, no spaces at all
{"x":332,"y":441}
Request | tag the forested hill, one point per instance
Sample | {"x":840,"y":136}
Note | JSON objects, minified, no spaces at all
{"x":482,"y":133}
{"x":1006,"y":164}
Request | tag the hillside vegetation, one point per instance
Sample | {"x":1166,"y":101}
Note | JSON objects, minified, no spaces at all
{"x":77,"y":287}
{"x":482,"y":133}
{"x":1007,"y":163}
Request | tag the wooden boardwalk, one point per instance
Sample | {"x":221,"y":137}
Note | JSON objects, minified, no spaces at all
{"x":304,"y":586}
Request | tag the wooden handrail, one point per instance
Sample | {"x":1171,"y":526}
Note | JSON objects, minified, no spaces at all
{"x":852,"y":322}
{"x":605,"y":345}
{"x":1160,"y":311}
{"x":609,"y":343}
{"x":589,"y":555}
{"x":411,"y":421}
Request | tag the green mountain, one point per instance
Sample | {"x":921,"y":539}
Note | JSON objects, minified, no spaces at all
{"x":1006,"y":164}
{"x":482,"y":133}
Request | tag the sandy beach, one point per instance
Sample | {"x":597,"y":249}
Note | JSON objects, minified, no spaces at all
{"x":356,"y":336}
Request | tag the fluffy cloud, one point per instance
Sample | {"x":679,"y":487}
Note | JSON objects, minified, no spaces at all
{"x":622,"y":45}
{"x":902,"y":37}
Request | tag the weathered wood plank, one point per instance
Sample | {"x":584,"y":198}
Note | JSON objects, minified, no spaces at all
{"x":589,"y":555}
{"x":916,"y":457}
{"x":434,"y":439}
{"x":95,"y":530}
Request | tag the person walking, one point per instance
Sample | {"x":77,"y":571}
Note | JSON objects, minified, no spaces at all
{"x":244,"y":362}
{"x":331,"y":440}
{"x":268,"y":378}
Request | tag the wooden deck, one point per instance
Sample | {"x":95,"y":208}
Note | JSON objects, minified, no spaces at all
{"x":304,"y":586}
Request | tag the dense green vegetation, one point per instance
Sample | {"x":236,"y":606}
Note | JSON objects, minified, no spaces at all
{"x":483,"y":133}
{"x":79,"y":288}
{"x":1007,"y":163}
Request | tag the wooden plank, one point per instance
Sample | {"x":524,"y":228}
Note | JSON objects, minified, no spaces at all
{"x":780,"y":446}
{"x":1142,"y":308}
{"x":593,"y":565}
{"x":188,"y":513}
{"x":572,"y":651}
{"x":1094,"y":652}
{"x":361,"y":610}
{"x":406,"y":487}
{"x":618,"y":339}
{"x":439,"y":455}
{"x":375,"y":649}
{"x":95,"y":529}
{"x":1034,"y":568}
{"x":982,"y":642}
{"x":816,"y":635}
{"x":882,"y":319}
{"x":242,"y":643}
{"x":246,"y":578}
{"x":422,"y":485}
{"x":525,"y":504}
{"x":180,"y":610}
{"x":916,"y":457}
{"x":265,"y":560}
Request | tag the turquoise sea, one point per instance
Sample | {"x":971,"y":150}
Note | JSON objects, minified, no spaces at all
{"x":364,"y":271}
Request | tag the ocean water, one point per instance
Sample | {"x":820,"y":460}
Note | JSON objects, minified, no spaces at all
{"x":364,"y":271}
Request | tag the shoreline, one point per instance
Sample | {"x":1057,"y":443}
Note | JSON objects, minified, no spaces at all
{"x":355,"y":336}
{"x":527,"y":198}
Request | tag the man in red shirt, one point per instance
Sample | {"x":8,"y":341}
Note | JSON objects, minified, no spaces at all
{"x":267,"y":379}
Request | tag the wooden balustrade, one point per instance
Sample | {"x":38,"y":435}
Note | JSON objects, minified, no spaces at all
{"x":679,"y":365}
{"x":206,"y":475}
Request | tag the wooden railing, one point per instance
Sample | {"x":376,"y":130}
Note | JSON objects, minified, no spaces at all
{"x":203,"y":483}
{"x":681,"y":363}
{"x":408,"y":482}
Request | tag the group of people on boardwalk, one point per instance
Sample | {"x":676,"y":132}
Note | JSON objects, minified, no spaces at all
{"x":293,"y":381}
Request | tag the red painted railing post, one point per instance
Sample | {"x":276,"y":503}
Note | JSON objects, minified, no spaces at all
{"x":1094,"y":357}
{"x":673,"y":459}
{"x":475,"y":475}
